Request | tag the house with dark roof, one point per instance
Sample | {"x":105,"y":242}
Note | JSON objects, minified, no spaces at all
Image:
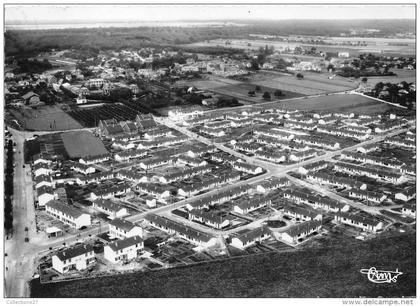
{"x":94,"y":159}
{"x":301,"y":231}
{"x":123,"y":250}
{"x":127,"y":155}
{"x":301,"y":213}
{"x":83,"y":168}
{"x":248,"y":238}
{"x":43,"y":180}
{"x":252,"y":204}
{"x":145,"y":123}
{"x":45,"y":194}
{"x":41,"y":168}
{"x":41,"y":158}
{"x":67,"y":214}
{"x":121,"y":228}
{"x":190,"y":234}
{"x":371,"y":197}
{"x":365,"y":223}
{"x":78,"y":258}
{"x":112,"y":209}
{"x":409,"y":210}
{"x":209,"y":218}
{"x":406,"y":194}
{"x":106,"y":193}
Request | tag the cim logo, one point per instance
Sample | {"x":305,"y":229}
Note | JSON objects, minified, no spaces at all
{"x":379,"y":276}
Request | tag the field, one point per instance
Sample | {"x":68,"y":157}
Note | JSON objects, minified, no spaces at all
{"x":90,"y":116}
{"x":334,"y":273}
{"x":312,"y":84}
{"x":402,"y":75}
{"x":46,"y":118}
{"x":344,"y":103}
{"x":82,"y":144}
{"x":376,"y":45}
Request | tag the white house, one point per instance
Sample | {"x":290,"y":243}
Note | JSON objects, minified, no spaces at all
{"x":67,"y":214}
{"x":112,"y":209}
{"x":45,"y":194}
{"x":301,"y":231}
{"x":365,"y":223}
{"x":83,"y":168}
{"x":123,"y":250}
{"x":409,"y":210}
{"x":406,"y":194}
{"x":77,"y":258}
{"x":41,"y":169}
{"x":247,"y":238}
{"x":121,"y":229}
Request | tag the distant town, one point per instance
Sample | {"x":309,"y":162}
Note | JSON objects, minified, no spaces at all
{"x":152,"y":158}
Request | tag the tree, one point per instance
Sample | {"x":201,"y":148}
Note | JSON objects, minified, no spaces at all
{"x":278,"y":93}
{"x":299,"y":76}
{"x":364,"y":80}
{"x":251,"y":93}
{"x":258,"y":88}
{"x":266,"y":96}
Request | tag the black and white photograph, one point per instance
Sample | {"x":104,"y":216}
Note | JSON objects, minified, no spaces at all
{"x":209,"y":150}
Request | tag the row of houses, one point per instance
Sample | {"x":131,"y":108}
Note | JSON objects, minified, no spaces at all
{"x":183,"y":174}
{"x":386,"y":176}
{"x":218,"y":198}
{"x":373,"y":160}
{"x":190,"y":234}
{"x":197,"y":187}
{"x":342,"y":182}
{"x":252,"y":204}
{"x":315,"y":201}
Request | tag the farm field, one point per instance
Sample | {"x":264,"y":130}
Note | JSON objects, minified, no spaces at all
{"x":240,"y":91}
{"x":82,"y":144}
{"x":313,"y":86}
{"x":47,"y":118}
{"x":335,"y":274}
{"x":408,"y":76}
{"x":342,"y":102}
{"x":253,"y":44}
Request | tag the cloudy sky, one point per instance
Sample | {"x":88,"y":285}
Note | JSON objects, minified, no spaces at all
{"x":38,"y":14}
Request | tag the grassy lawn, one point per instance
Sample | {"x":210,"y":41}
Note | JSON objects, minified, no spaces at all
{"x":82,"y":144}
{"x":46,"y":118}
{"x":324,"y":272}
{"x":339,"y":103}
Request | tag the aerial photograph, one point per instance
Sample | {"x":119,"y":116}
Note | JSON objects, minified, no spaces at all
{"x":209,"y":151}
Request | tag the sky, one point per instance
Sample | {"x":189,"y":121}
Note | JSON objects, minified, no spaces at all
{"x":38,"y":14}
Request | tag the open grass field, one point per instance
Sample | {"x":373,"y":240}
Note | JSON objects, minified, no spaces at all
{"x":46,"y":118}
{"x":82,"y":144}
{"x":323,"y":272}
{"x":344,"y":103}
{"x":378,"y":45}
{"x":402,"y":75}
{"x":311,"y":84}
{"x":240,"y":91}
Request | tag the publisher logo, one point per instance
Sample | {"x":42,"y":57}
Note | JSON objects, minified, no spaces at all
{"x":379,"y":276}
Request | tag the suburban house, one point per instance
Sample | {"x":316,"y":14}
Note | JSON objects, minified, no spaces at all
{"x":95,"y":159}
{"x":95,"y":177}
{"x":272,"y":184}
{"x":41,"y":168}
{"x":369,"y":196}
{"x":406,"y":194}
{"x":127,"y":155}
{"x":43,"y":180}
{"x":247,"y":168}
{"x":120,"y":228}
{"x":252,"y":204}
{"x":300,"y":156}
{"x":300,"y":213}
{"x":192,"y":161}
{"x":382,"y":175}
{"x":192,"y":235}
{"x":341,"y":182}
{"x":315,"y":201}
{"x":155,"y":162}
{"x":313,"y":167}
{"x":365,"y":223}
{"x":110,"y":192}
{"x":40,"y":158}
{"x":133,"y":176}
{"x":409,"y":210}
{"x":78,"y":258}
{"x":123,"y":250}
{"x":83,"y":168}
{"x":112,"y":209}
{"x":159,"y":192}
{"x":214,"y":220}
{"x":301,"y":231}
{"x":247,"y":238}
{"x":45,"y":194}
{"x":67,"y":214}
